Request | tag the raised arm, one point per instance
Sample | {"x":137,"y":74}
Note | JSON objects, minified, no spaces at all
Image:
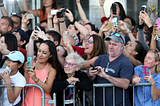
{"x":81,"y":12}
{"x":24,"y":6}
{"x":3,"y":10}
{"x":101,"y":2}
{"x":153,"y":40}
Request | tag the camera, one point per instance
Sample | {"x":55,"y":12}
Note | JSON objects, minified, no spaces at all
{"x":61,"y":13}
{"x":114,"y":8}
{"x":143,"y":8}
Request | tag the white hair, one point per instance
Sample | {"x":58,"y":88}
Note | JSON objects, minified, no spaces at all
{"x":78,"y":59}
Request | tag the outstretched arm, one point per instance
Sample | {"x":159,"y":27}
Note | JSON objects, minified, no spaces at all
{"x":101,"y":2}
{"x":81,"y":12}
{"x":3,"y":10}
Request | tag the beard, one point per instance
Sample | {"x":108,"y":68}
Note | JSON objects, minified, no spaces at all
{"x":115,"y":53}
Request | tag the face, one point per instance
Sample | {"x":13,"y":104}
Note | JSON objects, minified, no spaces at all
{"x":49,"y":37}
{"x":44,"y":25}
{"x":18,"y":36}
{"x":88,"y":27}
{"x":47,"y":3}
{"x":114,"y":48}
{"x":89,"y":45}
{"x":4,"y":26}
{"x":16,"y":22}
{"x":12,"y":65}
{"x":3,"y":42}
{"x":130,"y":47}
{"x":150,"y":60}
{"x":70,"y":67}
{"x":43,"y":53}
{"x":71,"y":30}
{"x":60,"y":51}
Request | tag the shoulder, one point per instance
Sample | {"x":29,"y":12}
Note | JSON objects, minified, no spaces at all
{"x":50,"y":69}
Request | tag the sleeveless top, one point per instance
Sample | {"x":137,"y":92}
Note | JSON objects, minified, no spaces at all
{"x":28,"y":100}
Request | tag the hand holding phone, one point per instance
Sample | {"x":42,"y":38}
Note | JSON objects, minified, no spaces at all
{"x":30,"y":62}
{"x":8,"y":69}
{"x":94,"y":68}
{"x":143,"y":8}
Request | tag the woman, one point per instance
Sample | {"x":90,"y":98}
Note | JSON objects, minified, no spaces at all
{"x":71,"y":76}
{"x":152,"y":61}
{"x":43,"y":73}
{"x":41,"y":13}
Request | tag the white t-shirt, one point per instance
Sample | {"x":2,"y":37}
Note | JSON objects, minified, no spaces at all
{"x":17,"y":80}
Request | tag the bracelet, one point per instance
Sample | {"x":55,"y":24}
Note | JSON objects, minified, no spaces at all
{"x":61,"y":21}
{"x":73,"y":21}
{"x":2,"y":5}
{"x":9,"y":88}
{"x":36,"y":81}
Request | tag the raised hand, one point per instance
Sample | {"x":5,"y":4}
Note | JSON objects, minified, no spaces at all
{"x":149,"y":78}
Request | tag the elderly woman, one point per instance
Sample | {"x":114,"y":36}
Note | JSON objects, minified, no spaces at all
{"x":71,"y":76}
{"x":150,"y":92}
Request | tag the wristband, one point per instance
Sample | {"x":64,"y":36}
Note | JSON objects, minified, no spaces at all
{"x":2,"y":5}
{"x":73,"y":21}
{"x":9,"y":88}
{"x":61,"y":21}
{"x":36,"y":81}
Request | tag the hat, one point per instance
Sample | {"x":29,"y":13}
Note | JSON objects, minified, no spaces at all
{"x":116,"y":37}
{"x":103,"y":19}
{"x":15,"y":56}
{"x":16,"y":15}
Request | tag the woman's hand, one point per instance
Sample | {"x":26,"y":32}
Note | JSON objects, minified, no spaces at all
{"x":32,"y":74}
{"x":136,"y":80}
{"x":6,"y":77}
{"x":101,"y":2}
{"x":72,"y":80}
{"x":69,"y":15}
{"x":146,"y":18}
{"x":55,"y":19}
{"x":149,"y":78}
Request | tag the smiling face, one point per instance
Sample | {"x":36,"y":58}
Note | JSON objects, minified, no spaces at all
{"x":130,"y":47}
{"x":150,"y":60}
{"x":70,"y":67}
{"x":43,"y":53}
{"x":89,"y":45}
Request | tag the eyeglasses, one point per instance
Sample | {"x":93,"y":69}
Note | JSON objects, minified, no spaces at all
{"x":68,"y":63}
{"x":89,"y":41}
{"x":118,"y":35}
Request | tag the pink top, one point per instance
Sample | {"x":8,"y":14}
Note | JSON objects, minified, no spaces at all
{"x":28,"y":100}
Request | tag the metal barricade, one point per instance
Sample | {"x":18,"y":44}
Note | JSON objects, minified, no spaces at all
{"x":103,"y":86}
{"x":27,"y":85}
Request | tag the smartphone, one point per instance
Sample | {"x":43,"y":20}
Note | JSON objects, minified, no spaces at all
{"x":36,"y":26}
{"x":53,"y":12}
{"x":8,"y":69}
{"x":114,"y":8}
{"x":158,"y":23}
{"x":114,"y":21}
{"x":30,"y":16}
{"x":64,"y":37}
{"x":143,"y":8}
{"x":145,"y":70}
{"x":30,"y":62}
{"x":94,"y":68}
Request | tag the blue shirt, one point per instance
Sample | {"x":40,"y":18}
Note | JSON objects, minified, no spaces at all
{"x":148,"y":101}
{"x":121,"y":67}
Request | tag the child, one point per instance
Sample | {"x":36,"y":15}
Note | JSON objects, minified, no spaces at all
{"x":12,"y":76}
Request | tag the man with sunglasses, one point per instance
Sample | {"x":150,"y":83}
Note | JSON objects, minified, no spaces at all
{"x":114,"y":68}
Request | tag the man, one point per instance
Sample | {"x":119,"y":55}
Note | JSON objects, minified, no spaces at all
{"x":114,"y":68}
{"x":6,"y":24}
{"x":16,"y":20}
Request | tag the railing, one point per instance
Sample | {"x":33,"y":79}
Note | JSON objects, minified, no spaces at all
{"x":103,"y":86}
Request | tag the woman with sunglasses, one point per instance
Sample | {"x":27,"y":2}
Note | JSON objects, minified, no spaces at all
{"x":71,"y":76}
{"x":152,"y":76}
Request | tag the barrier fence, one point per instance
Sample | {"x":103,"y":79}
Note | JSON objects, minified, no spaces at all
{"x":72,"y":101}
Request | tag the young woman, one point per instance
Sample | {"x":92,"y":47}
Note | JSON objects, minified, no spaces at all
{"x":44,"y":71}
{"x":152,"y":61}
{"x":41,"y":13}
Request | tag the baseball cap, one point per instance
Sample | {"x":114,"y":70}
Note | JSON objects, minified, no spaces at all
{"x":16,"y":15}
{"x":15,"y":56}
{"x":116,"y":37}
{"x":103,"y":19}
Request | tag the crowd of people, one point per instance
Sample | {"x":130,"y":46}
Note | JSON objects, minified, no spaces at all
{"x":54,"y":56}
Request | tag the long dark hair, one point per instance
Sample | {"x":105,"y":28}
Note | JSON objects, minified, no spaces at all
{"x":141,"y":52}
{"x":122,"y":13}
{"x":54,"y":59}
{"x":54,"y":5}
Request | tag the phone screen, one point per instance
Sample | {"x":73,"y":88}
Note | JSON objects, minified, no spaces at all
{"x":158,"y":23}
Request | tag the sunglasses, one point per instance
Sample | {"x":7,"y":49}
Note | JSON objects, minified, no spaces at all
{"x":16,"y":14}
{"x":118,"y":35}
{"x":89,"y":41}
{"x":68,"y":63}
